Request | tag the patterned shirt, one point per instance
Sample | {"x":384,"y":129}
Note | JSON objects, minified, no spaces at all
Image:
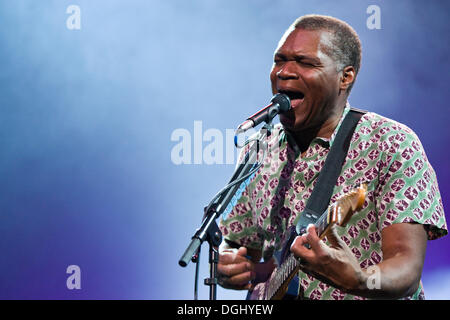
{"x":383,"y":153}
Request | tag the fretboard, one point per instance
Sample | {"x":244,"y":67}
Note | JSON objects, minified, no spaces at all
{"x":291,"y":264}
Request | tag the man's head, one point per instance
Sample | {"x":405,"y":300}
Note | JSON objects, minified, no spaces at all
{"x":316,"y":64}
{"x":345,"y":46}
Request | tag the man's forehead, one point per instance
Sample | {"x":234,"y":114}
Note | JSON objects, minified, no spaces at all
{"x":301,"y":41}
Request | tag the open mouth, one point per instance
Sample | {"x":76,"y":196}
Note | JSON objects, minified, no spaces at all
{"x":296,"y":97}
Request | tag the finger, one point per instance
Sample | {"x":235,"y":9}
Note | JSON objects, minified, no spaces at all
{"x":247,"y":286}
{"x":334,"y":239}
{"x":233,"y":269}
{"x":312,"y":238}
{"x":242,"y":279}
{"x":299,"y":249}
{"x":228,"y":250}
{"x":232,"y":256}
{"x":242,"y":251}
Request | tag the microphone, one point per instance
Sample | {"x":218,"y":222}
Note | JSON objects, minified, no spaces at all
{"x":279,"y":103}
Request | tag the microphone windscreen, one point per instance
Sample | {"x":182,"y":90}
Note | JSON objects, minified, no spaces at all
{"x":283,"y":101}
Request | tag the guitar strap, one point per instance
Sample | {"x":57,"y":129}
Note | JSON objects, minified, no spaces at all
{"x":320,"y":197}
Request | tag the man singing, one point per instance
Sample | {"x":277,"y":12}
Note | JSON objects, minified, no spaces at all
{"x":316,"y":64}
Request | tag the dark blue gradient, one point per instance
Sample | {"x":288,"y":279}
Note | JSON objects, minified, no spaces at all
{"x":86,"y":118}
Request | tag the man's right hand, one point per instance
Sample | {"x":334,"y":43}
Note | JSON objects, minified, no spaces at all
{"x":235,"y":270}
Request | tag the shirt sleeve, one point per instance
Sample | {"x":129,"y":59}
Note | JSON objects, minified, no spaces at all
{"x":409,"y":189}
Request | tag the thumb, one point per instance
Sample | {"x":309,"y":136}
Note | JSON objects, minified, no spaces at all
{"x":242,"y":251}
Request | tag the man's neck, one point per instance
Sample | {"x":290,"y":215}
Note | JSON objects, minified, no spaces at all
{"x":303,"y":138}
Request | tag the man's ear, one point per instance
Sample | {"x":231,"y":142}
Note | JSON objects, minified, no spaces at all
{"x":347,"y":78}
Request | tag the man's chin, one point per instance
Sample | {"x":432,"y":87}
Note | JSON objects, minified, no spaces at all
{"x":290,"y":124}
{"x":293,"y":127}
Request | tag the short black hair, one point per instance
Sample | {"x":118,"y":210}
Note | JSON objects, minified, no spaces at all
{"x":345,"y":49}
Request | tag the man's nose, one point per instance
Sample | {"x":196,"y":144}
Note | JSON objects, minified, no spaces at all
{"x":288,"y":71}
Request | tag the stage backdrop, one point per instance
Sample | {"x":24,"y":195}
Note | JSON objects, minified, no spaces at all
{"x":97,"y":199}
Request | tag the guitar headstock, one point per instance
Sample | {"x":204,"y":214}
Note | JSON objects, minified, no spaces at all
{"x":347,"y":204}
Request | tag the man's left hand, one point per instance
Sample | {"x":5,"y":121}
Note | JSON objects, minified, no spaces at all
{"x":335,"y":264}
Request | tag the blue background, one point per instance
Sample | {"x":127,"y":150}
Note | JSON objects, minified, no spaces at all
{"x":86,"y":117}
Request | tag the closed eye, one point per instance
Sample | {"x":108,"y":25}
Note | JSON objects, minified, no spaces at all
{"x":305,"y":63}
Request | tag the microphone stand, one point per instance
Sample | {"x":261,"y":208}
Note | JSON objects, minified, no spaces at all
{"x":209,"y":229}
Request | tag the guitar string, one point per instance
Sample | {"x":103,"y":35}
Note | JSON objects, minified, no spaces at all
{"x":291,"y":262}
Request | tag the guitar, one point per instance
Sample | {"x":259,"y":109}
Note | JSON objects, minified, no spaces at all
{"x":340,"y":212}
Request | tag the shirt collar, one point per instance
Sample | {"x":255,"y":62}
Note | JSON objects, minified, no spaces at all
{"x":325,"y":142}
{"x":333,"y":136}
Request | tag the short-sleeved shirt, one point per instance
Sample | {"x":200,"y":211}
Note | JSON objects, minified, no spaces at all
{"x":384,"y":154}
